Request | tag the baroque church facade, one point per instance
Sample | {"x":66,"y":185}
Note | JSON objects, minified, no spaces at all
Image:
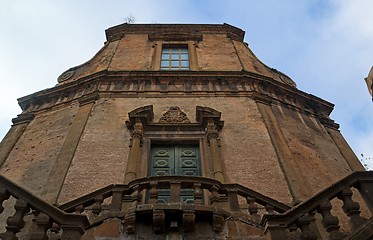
{"x":178,"y":131}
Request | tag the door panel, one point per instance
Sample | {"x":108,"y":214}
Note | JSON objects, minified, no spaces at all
{"x":175,"y":160}
{"x":163,"y":161}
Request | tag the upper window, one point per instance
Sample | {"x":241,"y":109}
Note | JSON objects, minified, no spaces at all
{"x":175,"y":58}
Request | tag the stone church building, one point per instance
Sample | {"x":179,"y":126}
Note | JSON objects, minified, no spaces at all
{"x":178,"y":131}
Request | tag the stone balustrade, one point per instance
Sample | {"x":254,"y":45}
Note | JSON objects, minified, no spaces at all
{"x":46,"y":217}
{"x":300,"y":221}
{"x":207,"y":197}
{"x":177,"y":201}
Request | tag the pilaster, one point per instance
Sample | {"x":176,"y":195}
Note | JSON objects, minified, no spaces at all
{"x":135,"y":152}
{"x":340,"y":142}
{"x":62,"y":164}
{"x":294,"y":178}
{"x":15,"y":132}
{"x":212,"y":138}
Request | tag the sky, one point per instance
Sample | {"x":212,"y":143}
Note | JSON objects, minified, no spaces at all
{"x":325,"y":46}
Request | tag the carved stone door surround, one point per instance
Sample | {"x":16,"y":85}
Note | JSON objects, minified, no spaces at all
{"x":174,"y":127}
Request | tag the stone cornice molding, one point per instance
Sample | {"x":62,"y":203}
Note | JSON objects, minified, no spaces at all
{"x":117,"y":32}
{"x":23,"y":118}
{"x":327,"y":122}
{"x":183,"y":83}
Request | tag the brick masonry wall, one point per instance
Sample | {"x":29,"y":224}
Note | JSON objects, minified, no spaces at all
{"x":318,"y":158}
{"x":31,"y":159}
{"x":134,"y":52}
{"x":101,"y":156}
{"x":216,"y":52}
{"x":246,"y":149}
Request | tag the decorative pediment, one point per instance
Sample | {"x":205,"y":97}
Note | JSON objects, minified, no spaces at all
{"x":144,"y":114}
{"x":174,"y":116}
{"x":174,"y":119}
{"x":203,"y":114}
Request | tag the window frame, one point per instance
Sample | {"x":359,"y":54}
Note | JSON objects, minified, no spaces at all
{"x":157,"y":54}
{"x":172,"y":54}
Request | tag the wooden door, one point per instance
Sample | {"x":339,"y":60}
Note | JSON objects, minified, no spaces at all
{"x":180,"y":160}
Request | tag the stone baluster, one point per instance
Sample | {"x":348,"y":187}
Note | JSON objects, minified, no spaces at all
{"x":70,"y":232}
{"x":197,"y":193}
{"x":153,"y":192}
{"x":4,"y":195}
{"x":305,"y":224}
{"x":252,"y":206}
{"x":330,"y":222}
{"x":215,"y":196}
{"x":42,"y":223}
{"x":136,"y":195}
{"x":270,"y":209}
{"x":97,"y":206}
{"x":79,"y":209}
{"x":15,"y":223}
{"x":351,"y":208}
{"x":55,"y":228}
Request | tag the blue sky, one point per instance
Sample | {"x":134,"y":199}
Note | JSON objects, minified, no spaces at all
{"x":325,"y":46}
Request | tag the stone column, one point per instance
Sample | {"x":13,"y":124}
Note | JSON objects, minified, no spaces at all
{"x":135,"y":152}
{"x":11,"y":138}
{"x":62,"y":164}
{"x":212,"y":138}
{"x":294,"y":178}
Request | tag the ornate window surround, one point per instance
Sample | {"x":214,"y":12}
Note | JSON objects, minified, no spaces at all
{"x":145,"y":132}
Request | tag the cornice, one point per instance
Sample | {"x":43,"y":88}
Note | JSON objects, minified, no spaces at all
{"x":180,"y":84}
{"x":117,"y":32}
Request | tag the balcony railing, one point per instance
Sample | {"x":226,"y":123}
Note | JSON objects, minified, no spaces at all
{"x":352,"y":192}
{"x":207,"y":197}
{"x":46,"y":216}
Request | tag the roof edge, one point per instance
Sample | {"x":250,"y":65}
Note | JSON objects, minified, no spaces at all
{"x":117,"y":32}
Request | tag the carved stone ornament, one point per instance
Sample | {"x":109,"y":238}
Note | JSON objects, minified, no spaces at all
{"x":130,"y":223}
{"x":174,"y":116}
{"x":159,"y":221}
{"x":66,"y":75}
{"x":217,"y":222}
{"x":189,"y":219}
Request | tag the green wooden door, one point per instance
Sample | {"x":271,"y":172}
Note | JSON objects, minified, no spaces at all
{"x":179,"y":160}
